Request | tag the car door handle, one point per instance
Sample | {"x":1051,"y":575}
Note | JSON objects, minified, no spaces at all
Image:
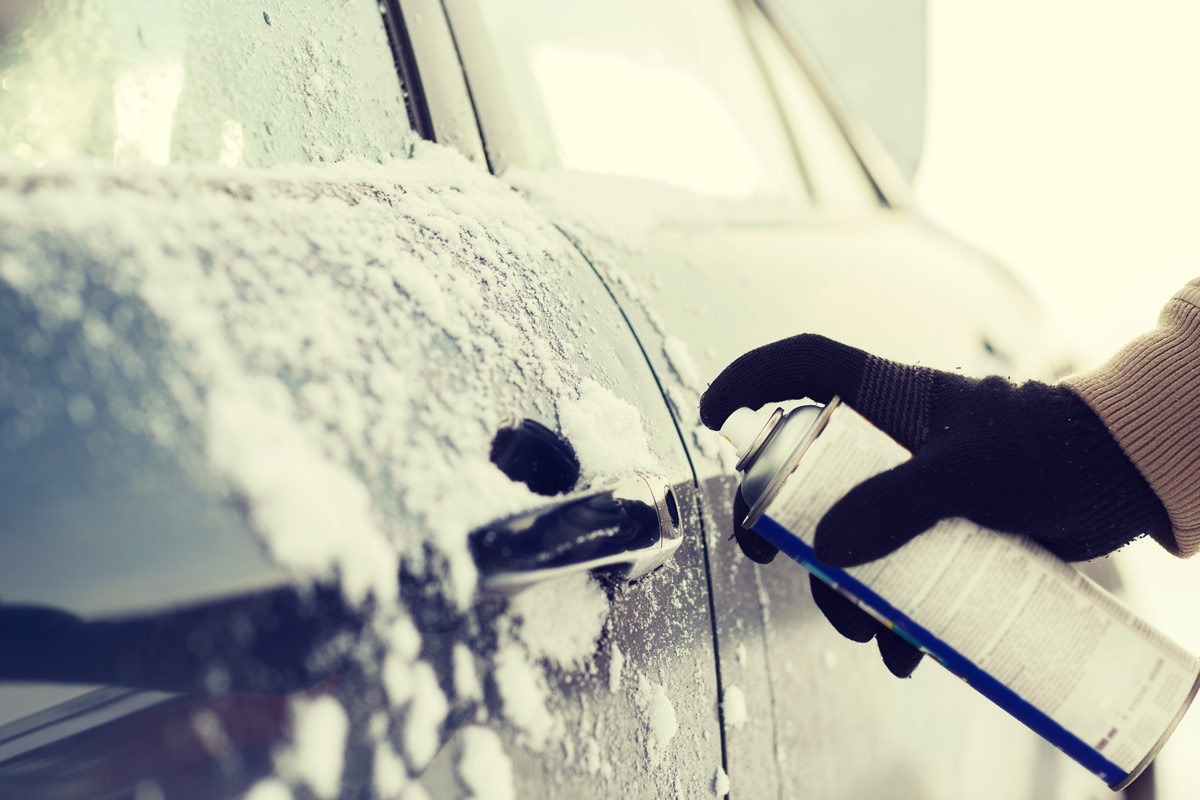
{"x":628,"y":529}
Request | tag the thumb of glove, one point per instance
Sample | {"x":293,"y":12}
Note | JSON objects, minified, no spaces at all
{"x":884,"y":512}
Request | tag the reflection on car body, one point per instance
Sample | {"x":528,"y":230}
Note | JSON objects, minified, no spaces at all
{"x":253,"y":404}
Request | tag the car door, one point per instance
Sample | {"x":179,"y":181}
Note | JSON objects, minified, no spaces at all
{"x":252,"y":411}
{"x":726,"y":210}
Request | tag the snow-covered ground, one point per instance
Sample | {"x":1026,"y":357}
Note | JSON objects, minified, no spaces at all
{"x":1062,"y":138}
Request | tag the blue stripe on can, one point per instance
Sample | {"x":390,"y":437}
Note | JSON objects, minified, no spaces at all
{"x":983,"y":682}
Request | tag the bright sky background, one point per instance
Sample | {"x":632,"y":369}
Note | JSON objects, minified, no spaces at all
{"x":1064,"y":138}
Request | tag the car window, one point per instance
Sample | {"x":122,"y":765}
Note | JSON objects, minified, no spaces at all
{"x":837,"y":176}
{"x":159,"y":81}
{"x":667,"y":91}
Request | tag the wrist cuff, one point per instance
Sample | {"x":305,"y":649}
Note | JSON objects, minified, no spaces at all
{"x":1148,"y":396}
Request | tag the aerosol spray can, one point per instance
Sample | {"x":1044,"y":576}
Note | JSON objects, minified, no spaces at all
{"x":1022,"y":627}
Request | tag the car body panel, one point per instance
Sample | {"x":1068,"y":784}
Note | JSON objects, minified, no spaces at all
{"x":366,"y":331}
{"x":373,"y":328}
{"x":640,"y":719}
{"x":701,"y":293}
{"x":703,"y":281}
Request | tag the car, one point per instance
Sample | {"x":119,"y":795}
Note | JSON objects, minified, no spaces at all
{"x":350,"y":357}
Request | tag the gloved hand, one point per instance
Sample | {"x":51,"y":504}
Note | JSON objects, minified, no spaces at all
{"x":1030,"y":459}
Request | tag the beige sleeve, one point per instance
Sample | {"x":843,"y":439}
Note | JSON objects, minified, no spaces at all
{"x":1149,"y":397}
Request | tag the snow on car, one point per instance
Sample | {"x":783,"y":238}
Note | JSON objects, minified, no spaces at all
{"x":297,"y":300}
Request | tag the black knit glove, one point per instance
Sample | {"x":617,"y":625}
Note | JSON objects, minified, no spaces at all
{"x":1030,"y":459}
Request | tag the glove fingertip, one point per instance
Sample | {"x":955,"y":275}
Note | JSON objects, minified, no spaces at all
{"x":843,"y":615}
{"x":753,"y":546}
{"x":806,"y":365}
{"x":714,"y":409}
{"x":900,"y":657}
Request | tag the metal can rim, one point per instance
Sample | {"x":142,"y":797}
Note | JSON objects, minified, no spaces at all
{"x":789,"y":466}
{"x":1162,"y":740}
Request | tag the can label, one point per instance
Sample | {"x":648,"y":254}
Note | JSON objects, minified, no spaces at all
{"x":1024,"y":628}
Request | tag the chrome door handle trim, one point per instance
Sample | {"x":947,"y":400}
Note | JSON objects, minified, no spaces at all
{"x":628,"y":528}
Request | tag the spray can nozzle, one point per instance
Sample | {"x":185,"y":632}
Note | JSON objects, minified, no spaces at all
{"x":743,"y":428}
{"x":764,"y":441}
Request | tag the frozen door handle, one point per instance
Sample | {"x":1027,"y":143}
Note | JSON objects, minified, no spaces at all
{"x":628,"y":529}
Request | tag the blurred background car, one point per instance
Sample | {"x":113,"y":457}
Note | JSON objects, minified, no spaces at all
{"x":313,"y":312}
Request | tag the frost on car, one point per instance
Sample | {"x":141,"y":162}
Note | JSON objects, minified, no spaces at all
{"x":262,"y":345}
{"x":321,"y":357}
{"x":246,"y":411}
